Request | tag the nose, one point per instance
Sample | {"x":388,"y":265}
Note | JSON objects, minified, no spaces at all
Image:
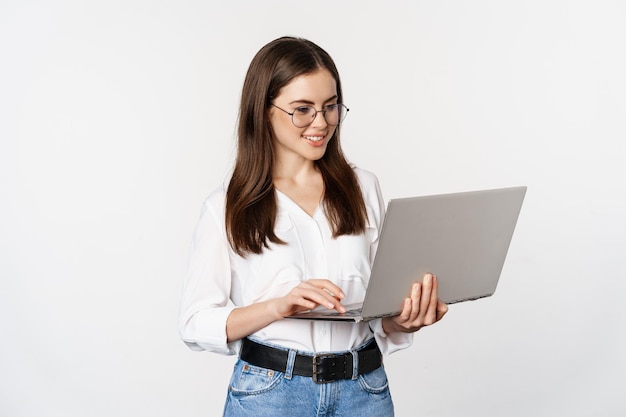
{"x":319,"y":120}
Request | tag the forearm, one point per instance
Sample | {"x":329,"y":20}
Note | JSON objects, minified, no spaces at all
{"x":244,"y":321}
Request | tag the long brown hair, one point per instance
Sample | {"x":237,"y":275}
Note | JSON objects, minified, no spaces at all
{"x":251,"y":206}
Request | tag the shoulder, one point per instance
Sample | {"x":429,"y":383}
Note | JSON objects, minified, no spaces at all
{"x":215,"y":202}
{"x":367,"y":180}
{"x":217,"y":196}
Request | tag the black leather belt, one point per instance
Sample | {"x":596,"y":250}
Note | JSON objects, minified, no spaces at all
{"x":323,"y":368}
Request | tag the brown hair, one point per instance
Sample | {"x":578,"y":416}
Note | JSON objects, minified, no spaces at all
{"x":251,"y":206}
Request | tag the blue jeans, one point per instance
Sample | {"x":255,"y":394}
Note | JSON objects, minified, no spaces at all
{"x":262,"y":392}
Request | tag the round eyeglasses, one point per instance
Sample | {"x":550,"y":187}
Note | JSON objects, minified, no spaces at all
{"x":303,"y":116}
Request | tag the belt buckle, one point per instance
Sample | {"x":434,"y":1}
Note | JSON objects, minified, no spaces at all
{"x":320,"y":374}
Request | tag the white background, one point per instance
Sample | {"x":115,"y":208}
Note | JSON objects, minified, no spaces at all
{"x":117,"y":118}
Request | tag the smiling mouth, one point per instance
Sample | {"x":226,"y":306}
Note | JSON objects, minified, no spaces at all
{"x":313,"y":138}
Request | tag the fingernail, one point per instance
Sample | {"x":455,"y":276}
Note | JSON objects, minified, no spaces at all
{"x":428,"y":278}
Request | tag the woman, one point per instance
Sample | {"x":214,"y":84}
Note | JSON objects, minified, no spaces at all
{"x":296,"y":228}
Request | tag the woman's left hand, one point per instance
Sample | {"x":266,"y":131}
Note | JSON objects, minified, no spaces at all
{"x":422,"y":308}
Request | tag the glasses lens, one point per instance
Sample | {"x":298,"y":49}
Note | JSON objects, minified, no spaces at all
{"x":335,"y":114}
{"x":343,"y":112}
{"x":331,"y":114}
{"x":303,"y":116}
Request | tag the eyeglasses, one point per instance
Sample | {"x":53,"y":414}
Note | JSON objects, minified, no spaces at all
{"x":303,"y":116}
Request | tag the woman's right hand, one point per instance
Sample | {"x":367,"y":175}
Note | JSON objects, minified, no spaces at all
{"x":308,"y":295}
{"x":243,"y":321}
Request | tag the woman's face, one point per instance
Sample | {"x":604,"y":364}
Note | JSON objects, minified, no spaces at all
{"x":303,"y":144}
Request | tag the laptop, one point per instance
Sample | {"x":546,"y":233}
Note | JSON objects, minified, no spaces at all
{"x":463,"y":238}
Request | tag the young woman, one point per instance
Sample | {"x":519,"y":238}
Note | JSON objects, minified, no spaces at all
{"x":296,"y":227}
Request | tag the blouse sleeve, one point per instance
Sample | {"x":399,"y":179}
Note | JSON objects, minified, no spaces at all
{"x":205,"y":302}
{"x":388,"y":343}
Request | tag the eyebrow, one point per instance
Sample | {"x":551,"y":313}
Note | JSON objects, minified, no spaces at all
{"x":312,"y":103}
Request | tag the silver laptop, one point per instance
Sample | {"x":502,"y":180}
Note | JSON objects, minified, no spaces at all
{"x":463,"y":238}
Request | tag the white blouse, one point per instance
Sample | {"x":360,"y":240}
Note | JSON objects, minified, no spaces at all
{"x":219,"y":280}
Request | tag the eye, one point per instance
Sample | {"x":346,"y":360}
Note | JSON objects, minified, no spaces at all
{"x":303,"y":110}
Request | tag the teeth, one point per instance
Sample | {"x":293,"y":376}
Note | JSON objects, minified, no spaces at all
{"x":314,"y":138}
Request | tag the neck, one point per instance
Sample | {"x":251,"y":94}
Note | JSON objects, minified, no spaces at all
{"x":295,"y":171}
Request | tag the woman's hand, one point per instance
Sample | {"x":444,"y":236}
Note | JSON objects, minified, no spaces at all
{"x":243,"y":321}
{"x":422,"y":308}
{"x":308,"y":295}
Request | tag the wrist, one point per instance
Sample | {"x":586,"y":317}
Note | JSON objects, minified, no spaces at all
{"x":273,"y":309}
{"x":388,"y":325}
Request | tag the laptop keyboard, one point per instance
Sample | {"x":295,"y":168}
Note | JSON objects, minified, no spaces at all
{"x":355,"y":312}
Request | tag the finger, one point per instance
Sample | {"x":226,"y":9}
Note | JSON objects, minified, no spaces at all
{"x":442,"y":309}
{"x":331,"y":292}
{"x":319,"y":295}
{"x":293,"y":303}
{"x":332,"y":288}
{"x":431,"y":314}
{"x":405,"y":315}
{"x":301,"y":303}
{"x":416,"y":294}
{"x":427,"y":285}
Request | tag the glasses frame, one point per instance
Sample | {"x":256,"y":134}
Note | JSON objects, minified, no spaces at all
{"x":340,"y":105}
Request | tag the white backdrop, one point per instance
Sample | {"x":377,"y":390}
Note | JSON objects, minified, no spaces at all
{"x":117,"y":118}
